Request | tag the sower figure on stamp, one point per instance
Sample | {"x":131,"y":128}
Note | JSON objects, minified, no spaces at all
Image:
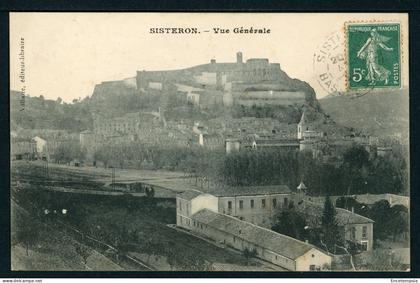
{"x":369,"y":51}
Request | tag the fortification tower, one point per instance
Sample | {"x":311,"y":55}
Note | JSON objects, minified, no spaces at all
{"x":239,"y":58}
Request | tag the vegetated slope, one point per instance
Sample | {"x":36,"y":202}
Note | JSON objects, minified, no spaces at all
{"x":382,"y":112}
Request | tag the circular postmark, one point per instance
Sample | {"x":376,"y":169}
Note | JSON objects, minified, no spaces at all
{"x":329,"y":64}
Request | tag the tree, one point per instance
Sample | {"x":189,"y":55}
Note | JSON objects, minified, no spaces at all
{"x":380,"y":213}
{"x":291,"y":223}
{"x":355,"y":169}
{"x":150,"y":197}
{"x":350,"y":203}
{"x":66,"y":152}
{"x":399,"y":221}
{"x":330,"y":230}
{"x":103,"y":154}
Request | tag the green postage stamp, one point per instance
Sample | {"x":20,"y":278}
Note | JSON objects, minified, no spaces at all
{"x":374,"y":56}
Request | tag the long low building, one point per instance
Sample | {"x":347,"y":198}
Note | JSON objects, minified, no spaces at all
{"x":276,"y":248}
{"x":206,"y":214}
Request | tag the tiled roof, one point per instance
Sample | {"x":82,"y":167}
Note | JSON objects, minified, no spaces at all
{"x":249,"y":190}
{"x":343,"y":216}
{"x":278,"y":243}
{"x":276,"y":142}
{"x":189,"y":195}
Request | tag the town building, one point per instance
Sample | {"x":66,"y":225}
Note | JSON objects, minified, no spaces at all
{"x":23,"y":148}
{"x":190,"y":202}
{"x":143,"y":127}
{"x":232,"y":145}
{"x":241,"y":217}
{"x":86,"y":138}
{"x":40,"y":144}
{"x":277,"y":144}
{"x":200,"y":213}
{"x":268,"y":245}
{"x":354,"y":228}
{"x":41,"y":147}
{"x":255,"y":204}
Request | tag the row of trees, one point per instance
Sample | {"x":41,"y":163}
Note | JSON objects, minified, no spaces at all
{"x":67,"y":152}
{"x":357,"y":173}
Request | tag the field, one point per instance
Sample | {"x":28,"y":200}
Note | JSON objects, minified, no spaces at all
{"x":53,"y":250}
{"x":137,"y":226}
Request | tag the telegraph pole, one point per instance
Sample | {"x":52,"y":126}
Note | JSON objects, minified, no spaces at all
{"x":46,"y":170}
{"x":113,"y":177}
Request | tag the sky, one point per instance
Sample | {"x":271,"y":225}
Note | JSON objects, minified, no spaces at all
{"x":66,"y":54}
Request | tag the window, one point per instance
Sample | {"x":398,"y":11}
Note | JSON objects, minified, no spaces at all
{"x":252,"y":203}
{"x":274,"y":202}
{"x":353,"y":232}
{"x":263,"y":203}
{"x":229,"y":205}
{"x":312,"y":267}
{"x":180,"y":206}
{"x":364,"y":245}
{"x":241,"y":204}
{"x":364,"y":232}
{"x":286,"y":202}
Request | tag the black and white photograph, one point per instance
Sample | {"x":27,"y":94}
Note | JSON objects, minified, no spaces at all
{"x":211,"y":142}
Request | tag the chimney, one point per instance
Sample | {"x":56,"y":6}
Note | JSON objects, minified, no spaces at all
{"x":239,"y":57}
{"x":352,"y":209}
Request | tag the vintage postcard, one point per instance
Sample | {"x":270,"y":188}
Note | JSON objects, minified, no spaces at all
{"x":261,"y":142}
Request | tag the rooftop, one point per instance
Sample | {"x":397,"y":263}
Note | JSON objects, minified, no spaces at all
{"x":189,"y":195}
{"x":280,"y":142}
{"x":180,"y":184}
{"x":249,"y":190}
{"x":278,"y":243}
{"x":343,"y":216}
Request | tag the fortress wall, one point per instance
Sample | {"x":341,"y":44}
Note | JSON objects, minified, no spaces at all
{"x":270,"y":94}
{"x":260,"y":102}
{"x":206,"y":78}
{"x":255,"y":70}
{"x":112,"y":88}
